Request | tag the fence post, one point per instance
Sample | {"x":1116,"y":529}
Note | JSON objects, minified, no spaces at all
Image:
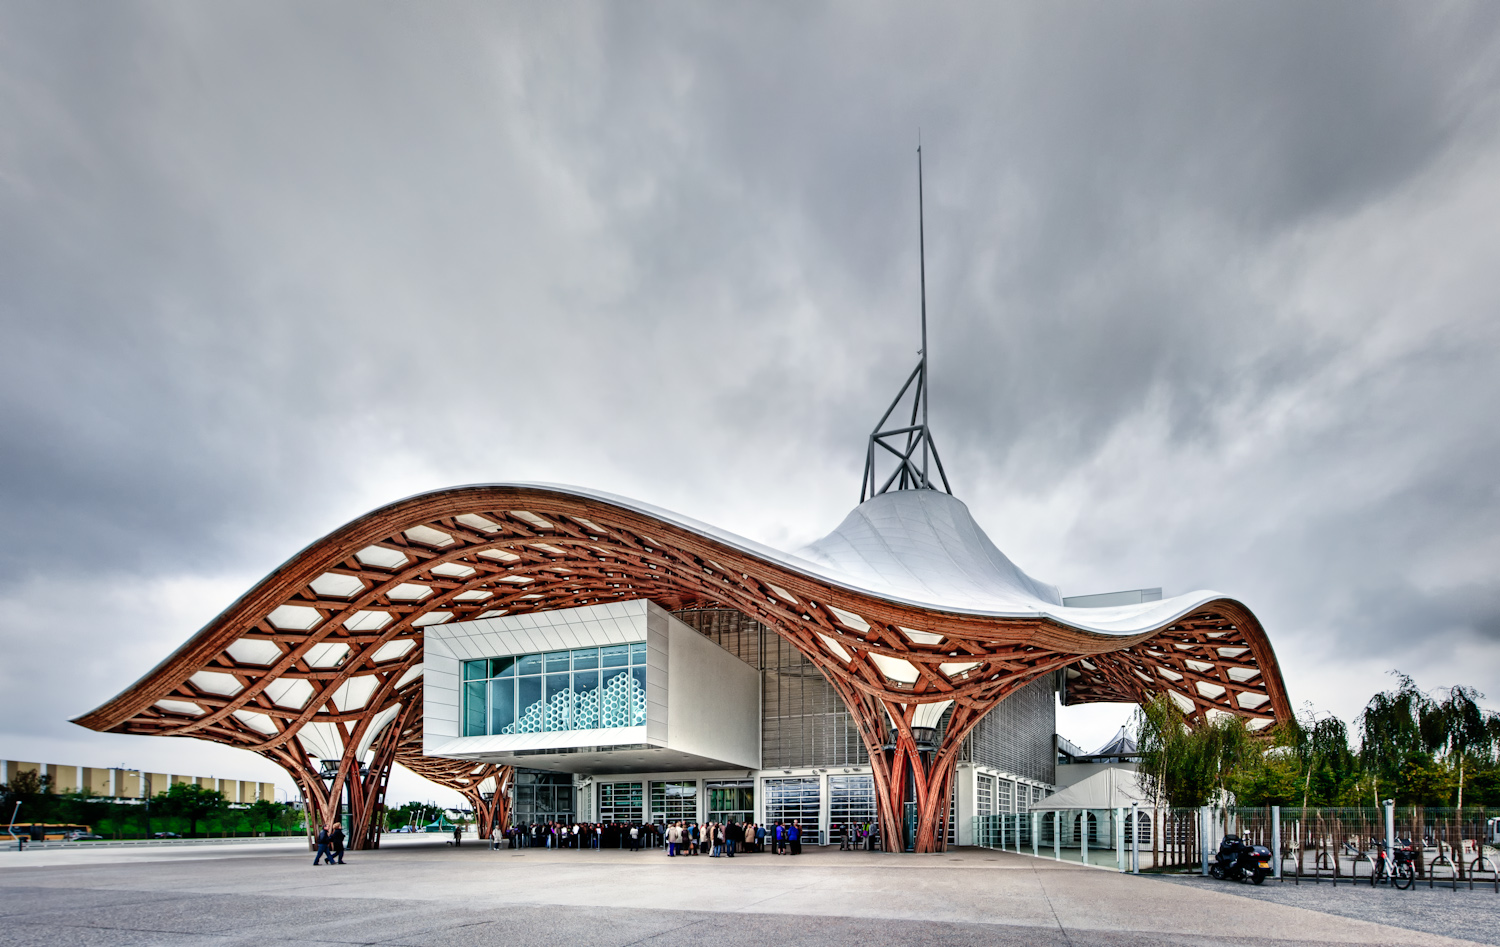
{"x":1276,"y":842}
{"x":1203,"y":819}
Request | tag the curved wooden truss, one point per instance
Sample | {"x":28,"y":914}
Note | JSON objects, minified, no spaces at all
{"x":322,"y":659}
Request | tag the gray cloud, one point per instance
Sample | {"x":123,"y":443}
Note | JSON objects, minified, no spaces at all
{"x":1211,"y":291}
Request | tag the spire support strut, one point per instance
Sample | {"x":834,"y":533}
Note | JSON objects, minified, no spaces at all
{"x":903,"y":443}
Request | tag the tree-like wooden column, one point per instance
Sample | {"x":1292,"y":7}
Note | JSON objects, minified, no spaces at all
{"x":360,"y":783}
{"x":908,"y":764}
{"x":474,"y":781}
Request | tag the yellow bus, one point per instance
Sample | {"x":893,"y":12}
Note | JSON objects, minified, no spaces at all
{"x":49,"y":831}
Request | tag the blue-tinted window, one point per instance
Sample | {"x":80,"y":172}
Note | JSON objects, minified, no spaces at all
{"x":583,"y":689}
{"x":559,"y":701}
{"x":529,"y":707}
{"x":585,"y":700}
{"x":638,"y":697}
{"x":474,"y":708}
{"x":503,"y":705}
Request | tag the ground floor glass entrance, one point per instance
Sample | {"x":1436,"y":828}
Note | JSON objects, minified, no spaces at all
{"x":731,"y":800}
{"x":620,"y":802}
{"x":674,"y":801}
{"x":543,"y":797}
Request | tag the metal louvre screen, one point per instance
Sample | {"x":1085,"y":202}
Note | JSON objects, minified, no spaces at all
{"x":803,"y":720}
{"x":1016,"y":736}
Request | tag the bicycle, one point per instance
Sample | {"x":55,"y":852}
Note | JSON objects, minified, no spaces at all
{"x":1403,"y":874}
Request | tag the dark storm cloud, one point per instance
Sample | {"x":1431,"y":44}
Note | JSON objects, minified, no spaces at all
{"x":1211,"y":291}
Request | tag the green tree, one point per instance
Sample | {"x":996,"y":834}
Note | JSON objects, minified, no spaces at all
{"x":264,"y":812}
{"x":1423,"y":781}
{"x":1390,"y":729}
{"x":34,"y":792}
{"x":1455,"y":728}
{"x":83,"y":807}
{"x":192,"y":802}
{"x":1275,"y":779}
{"x":1189,"y":765}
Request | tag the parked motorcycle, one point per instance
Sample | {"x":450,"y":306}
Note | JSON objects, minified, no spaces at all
{"x":1237,"y":860}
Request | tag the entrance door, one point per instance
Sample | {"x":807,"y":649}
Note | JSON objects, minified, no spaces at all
{"x":731,"y":800}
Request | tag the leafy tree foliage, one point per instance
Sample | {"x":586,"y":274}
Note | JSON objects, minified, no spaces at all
{"x":192,"y":802}
{"x":1416,"y":748}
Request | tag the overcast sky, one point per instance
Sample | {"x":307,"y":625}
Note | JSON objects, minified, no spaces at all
{"x":1213,"y":299}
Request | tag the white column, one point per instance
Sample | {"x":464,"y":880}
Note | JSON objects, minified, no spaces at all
{"x":966,"y":787}
{"x":1390,"y":843}
{"x":1135,"y":838}
{"x":1119,"y":832}
{"x":1205,"y":819}
{"x":1276,"y":842}
{"x":825,"y":810}
{"x":1056,"y":835}
{"x":1083,"y":836}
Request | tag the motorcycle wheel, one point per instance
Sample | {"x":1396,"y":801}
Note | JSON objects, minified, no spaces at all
{"x":1260,"y":877}
{"x":1215,"y":871}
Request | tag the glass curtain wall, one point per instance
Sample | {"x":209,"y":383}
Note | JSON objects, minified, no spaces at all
{"x":582,"y":689}
{"x":674,"y":802}
{"x":620,"y":802}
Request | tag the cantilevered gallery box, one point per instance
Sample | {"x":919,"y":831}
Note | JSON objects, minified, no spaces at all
{"x":618,"y":687}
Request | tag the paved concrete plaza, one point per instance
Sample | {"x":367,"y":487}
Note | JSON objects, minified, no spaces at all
{"x":421,"y":892}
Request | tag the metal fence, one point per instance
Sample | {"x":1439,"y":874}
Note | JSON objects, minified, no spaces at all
{"x":1451,"y":847}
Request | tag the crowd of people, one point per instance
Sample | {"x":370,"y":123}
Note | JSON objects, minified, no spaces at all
{"x":714,"y":839}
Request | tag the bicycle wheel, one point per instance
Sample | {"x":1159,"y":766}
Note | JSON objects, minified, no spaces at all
{"x":1404,"y":877}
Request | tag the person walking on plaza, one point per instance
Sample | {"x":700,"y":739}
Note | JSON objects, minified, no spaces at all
{"x":458,"y":835}
{"x":794,"y":835}
{"x":760,"y":837}
{"x":336,"y":845}
{"x":323,"y":850}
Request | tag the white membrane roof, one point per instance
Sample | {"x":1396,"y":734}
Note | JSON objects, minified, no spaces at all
{"x":923,"y":548}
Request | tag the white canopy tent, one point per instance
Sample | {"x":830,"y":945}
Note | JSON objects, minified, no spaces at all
{"x":1112,"y":788}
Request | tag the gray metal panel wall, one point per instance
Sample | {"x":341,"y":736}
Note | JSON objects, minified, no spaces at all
{"x":1016,"y":736}
{"x":803,"y":720}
